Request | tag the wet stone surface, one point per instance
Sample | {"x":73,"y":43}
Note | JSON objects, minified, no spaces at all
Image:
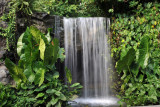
{"x":2,"y":46}
{"x":4,"y":75}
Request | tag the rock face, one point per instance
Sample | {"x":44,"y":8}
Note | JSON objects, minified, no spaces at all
{"x":42,"y":21}
{"x":3,"y":6}
{"x":4,"y":76}
{"x":2,"y":46}
{"x":3,"y":9}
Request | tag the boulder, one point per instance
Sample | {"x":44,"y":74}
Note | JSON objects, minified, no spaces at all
{"x":4,"y":75}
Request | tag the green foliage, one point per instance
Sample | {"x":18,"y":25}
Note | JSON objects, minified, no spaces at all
{"x":9,"y":31}
{"x":135,"y":47}
{"x":36,"y":77}
{"x":15,"y":71}
{"x":126,"y":61}
{"x":144,"y":52}
{"x":68,"y":75}
{"x":139,"y":84}
{"x":22,"y":5}
{"x":6,"y":96}
{"x":73,"y":8}
{"x":58,"y":7}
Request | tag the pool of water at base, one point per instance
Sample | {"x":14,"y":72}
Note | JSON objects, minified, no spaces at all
{"x":95,"y":102}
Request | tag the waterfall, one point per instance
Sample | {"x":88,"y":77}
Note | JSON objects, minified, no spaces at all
{"x":88,"y":57}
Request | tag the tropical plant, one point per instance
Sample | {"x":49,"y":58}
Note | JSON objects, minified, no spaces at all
{"x":135,"y":48}
{"x":36,"y":77}
{"x":140,"y":75}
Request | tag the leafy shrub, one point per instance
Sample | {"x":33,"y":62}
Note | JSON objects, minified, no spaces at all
{"x":35,"y":75}
{"x":6,"y":96}
{"x":73,"y":8}
{"x":140,"y":75}
{"x":135,"y":47}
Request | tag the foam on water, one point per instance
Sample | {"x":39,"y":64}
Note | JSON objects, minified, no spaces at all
{"x":97,"y":102}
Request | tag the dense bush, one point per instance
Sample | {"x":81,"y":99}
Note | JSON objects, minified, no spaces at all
{"x":135,"y":47}
{"x":36,"y":77}
{"x":70,"y":8}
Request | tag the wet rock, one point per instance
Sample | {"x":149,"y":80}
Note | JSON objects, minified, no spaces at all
{"x":5,"y":81}
{"x":43,"y":21}
{"x":2,"y":46}
{"x":3,"y":6}
{"x":40,"y":16}
{"x":40,"y":25}
{"x":4,"y":75}
{"x":3,"y":24}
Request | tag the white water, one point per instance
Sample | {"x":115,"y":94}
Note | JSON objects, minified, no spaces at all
{"x":88,"y":58}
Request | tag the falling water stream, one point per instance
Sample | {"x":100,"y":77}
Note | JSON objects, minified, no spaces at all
{"x":88,"y":58}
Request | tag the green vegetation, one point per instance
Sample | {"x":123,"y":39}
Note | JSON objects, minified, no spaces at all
{"x":135,"y":47}
{"x":75,"y":9}
{"x":26,"y":8}
{"x":9,"y":31}
{"x":36,"y":77}
{"x":135,"y":39}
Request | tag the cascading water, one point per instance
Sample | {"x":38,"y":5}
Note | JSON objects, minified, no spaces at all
{"x":88,"y":58}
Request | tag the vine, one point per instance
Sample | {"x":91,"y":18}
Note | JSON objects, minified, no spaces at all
{"x":9,"y":31}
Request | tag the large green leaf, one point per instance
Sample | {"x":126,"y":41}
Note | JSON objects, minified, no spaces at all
{"x":123,"y":52}
{"x":15,"y":71}
{"x":28,"y":54}
{"x":75,"y":85}
{"x":135,"y":69}
{"x":40,"y":72}
{"x":56,"y":75}
{"x":144,"y":51}
{"x":51,"y":53}
{"x":68,"y":75}
{"x":53,"y":91}
{"x":55,"y":44}
{"x":40,"y":95}
{"x":34,"y":54}
{"x":126,"y":60}
{"x":42,"y":47}
{"x":58,"y":104}
{"x":61,"y":54}
{"x":20,"y":45}
{"x":73,"y":97}
{"x":54,"y":101}
{"x":62,"y":97}
{"x":48,"y":55}
{"x":27,"y":38}
{"x":36,"y":34}
{"x":29,"y":73}
{"x":50,"y":91}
